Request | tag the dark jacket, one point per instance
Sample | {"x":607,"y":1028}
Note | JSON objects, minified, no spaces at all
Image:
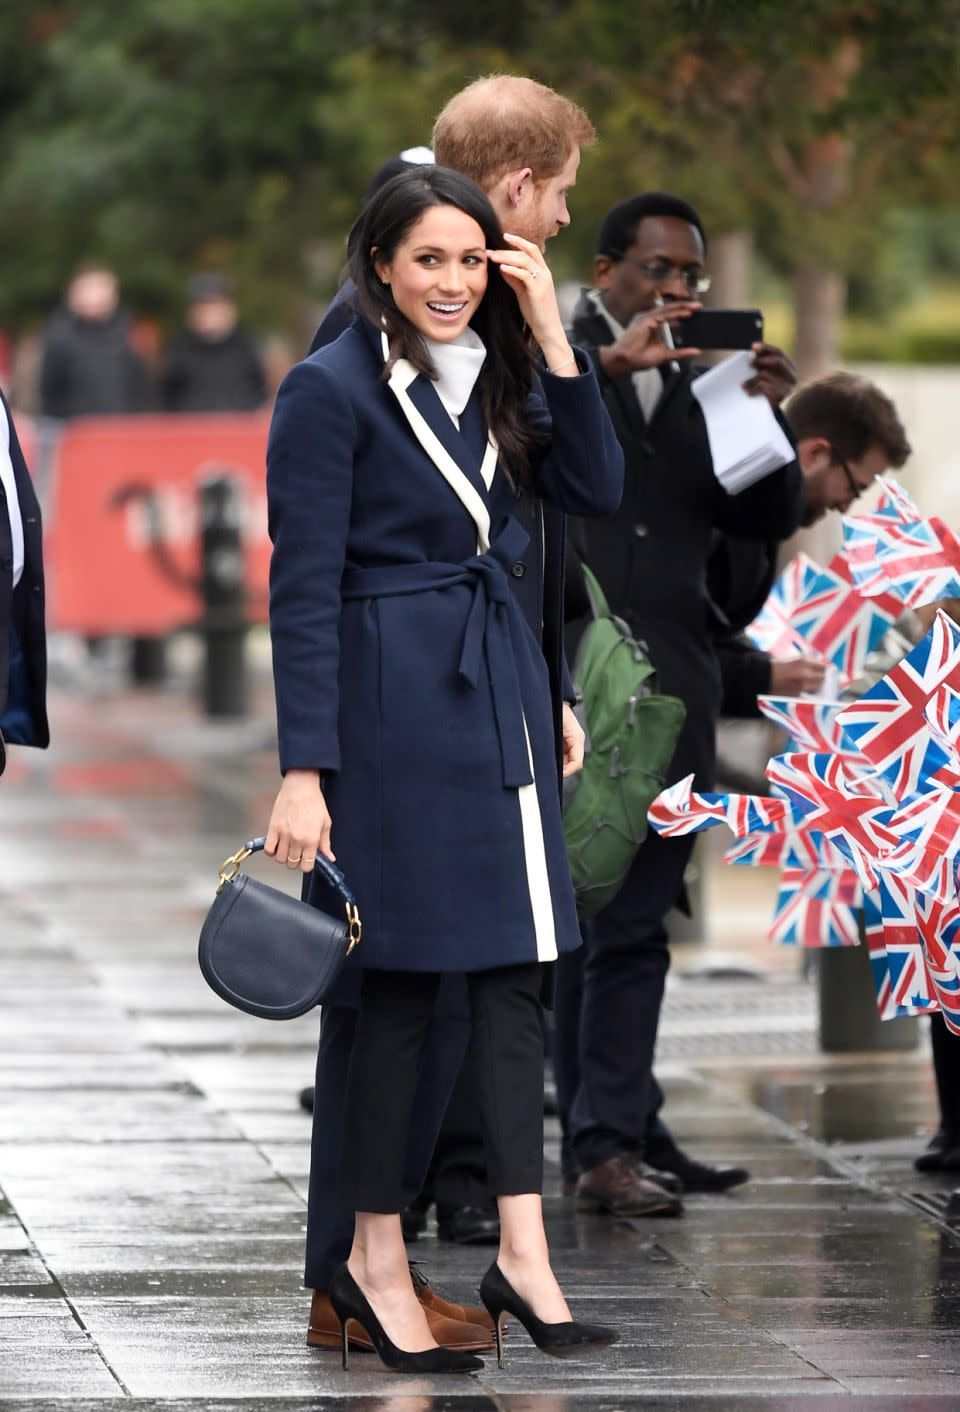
{"x":651,"y":556}
{"x":740,"y":575}
{"x":213,"y":375}
{"x":90,"y":369}
{"x":407,"y":671}
{"x":23,"y":644}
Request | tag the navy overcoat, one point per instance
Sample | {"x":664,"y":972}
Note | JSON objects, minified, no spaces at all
{"x":405,"y":671}
{"x":23,"y":643}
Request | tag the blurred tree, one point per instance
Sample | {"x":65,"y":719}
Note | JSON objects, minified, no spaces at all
{"x":171,"y":133}
{"x":803,"y":123}
{"x":168,"y":134}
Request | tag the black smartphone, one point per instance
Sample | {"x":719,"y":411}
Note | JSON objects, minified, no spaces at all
{"x":719,"y":328}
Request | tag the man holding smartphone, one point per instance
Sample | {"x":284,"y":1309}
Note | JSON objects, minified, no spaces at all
{"x":650,"y":558}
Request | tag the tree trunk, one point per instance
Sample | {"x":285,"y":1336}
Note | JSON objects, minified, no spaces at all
{"x":731,"y":270}
{"x":819,"y":298}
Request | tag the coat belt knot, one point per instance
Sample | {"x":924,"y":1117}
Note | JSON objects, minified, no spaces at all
{"x":494,"y":629}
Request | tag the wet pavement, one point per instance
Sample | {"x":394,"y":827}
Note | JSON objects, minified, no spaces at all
{"x":153,"y":1160}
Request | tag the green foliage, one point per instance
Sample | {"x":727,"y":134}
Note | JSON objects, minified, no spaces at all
{"x":166,"y":135}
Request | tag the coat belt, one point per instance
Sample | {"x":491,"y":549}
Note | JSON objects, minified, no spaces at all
{"x":494,"y":627}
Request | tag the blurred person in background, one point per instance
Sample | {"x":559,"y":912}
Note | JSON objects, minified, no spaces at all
{"x":521,"y":142}
{"x":23,"y":644}
{"x":847,"y":433}
{"x":213,"y":364}
{"x":650,"y":559}
{"x":89,"y":366}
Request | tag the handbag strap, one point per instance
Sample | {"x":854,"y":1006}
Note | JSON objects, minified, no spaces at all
{"x":328,"y":871}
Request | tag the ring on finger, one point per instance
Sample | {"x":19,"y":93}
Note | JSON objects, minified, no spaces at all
{"x":535,"y":273}
{"x":291,"y":859}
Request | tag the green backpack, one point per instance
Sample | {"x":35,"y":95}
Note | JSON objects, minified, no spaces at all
{"x":631,"y":737}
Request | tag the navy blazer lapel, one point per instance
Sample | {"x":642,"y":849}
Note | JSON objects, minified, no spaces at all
{"x":425,"y":398}
{"x":473,"y":428}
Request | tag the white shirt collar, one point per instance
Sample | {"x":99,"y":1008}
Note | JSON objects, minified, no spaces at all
{"x":458,"y":366}
{"x":8,"y":480}
{"x":596,"y":299}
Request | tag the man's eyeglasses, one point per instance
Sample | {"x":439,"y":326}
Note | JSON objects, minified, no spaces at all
{"x":856,"y":489}
{"x":660,"y":272}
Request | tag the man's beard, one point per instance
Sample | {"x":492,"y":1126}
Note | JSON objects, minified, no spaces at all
{"x":532,"y":226}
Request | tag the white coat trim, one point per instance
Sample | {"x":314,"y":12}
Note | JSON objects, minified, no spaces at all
{"x":402,"y":375}
{"x":535,"y":857}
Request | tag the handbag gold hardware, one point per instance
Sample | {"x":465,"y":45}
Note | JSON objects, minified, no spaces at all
{"x":230,"y":867}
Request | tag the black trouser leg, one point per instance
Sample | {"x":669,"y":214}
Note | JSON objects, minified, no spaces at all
{"x":566,"y":1046}
{"x":458,"y":1173}
{"x":329,"y":1222}
{"x":624,"y":974}
{"x":395,"y":1012}
{"x":508,"y":1052}
{"x":946,"y":1068}
{"x":507,"y":1025}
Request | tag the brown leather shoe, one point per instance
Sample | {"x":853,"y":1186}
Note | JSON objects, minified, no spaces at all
{"x":459,"y":1334}
{"x":617,"y":1188}
{"x":433,"y":1302}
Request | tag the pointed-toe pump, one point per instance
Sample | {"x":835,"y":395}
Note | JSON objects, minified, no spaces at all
{"x":561,"y":1340}
{"x":350,"y":1303}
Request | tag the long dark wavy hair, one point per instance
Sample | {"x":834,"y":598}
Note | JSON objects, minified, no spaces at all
{"x":507,"y":373}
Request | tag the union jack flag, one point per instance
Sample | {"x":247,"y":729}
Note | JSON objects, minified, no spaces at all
{"x":875,"y":930}
{"x":817,"y":909}
{"x":942,"y":714}
{"x":856,"y":822}
{"x":807,"y":851}
{"x":928,"y":829}
{"x":811,"y":725}
{"x":938,"y":924}
{"x":888,"y":725}
{"x":820,"y":613}
{"x":895,"y":550}
{"x":910,"y":990}
{"x":677,"y":810}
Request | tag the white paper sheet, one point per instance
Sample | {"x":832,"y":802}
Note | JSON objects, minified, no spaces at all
{"x":746,"y":440}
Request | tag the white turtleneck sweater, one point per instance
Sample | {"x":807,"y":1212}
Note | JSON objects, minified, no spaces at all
{"x":458,"y":366}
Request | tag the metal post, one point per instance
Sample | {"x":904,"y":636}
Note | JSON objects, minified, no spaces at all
{"x":224,"y":622}
{"x":148,"y":660}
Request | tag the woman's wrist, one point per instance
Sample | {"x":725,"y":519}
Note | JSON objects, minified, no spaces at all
{"x":559,"y":356}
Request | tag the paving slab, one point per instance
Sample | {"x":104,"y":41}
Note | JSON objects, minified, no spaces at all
{"x":153,"y":1159}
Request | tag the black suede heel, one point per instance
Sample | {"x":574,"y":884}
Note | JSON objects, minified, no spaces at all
{"x":350,"y":1303}
{"x":560,"y":1340}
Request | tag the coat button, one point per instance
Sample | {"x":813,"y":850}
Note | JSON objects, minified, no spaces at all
{"x":518,"y":570}
{"x":648,"y":448}
{"x":641,"y":531}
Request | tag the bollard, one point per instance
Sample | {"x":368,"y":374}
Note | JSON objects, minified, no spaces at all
{"x":224,"y":621}
{"x":849,"y":1021}
{"x":148,"y":661}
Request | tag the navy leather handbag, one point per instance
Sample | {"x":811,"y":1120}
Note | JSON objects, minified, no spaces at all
{"x":270,"y":954}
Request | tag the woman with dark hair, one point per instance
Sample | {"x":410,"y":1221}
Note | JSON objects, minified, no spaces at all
{"x":413,"y":701}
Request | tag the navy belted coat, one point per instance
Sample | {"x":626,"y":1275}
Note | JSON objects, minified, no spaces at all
{"x":406,"y":672}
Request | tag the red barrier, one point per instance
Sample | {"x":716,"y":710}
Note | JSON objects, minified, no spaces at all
{"x":103,"y":576}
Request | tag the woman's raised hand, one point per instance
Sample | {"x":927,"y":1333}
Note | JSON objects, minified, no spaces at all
{"x":300,"y":824}
{"x":528,"y":275}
